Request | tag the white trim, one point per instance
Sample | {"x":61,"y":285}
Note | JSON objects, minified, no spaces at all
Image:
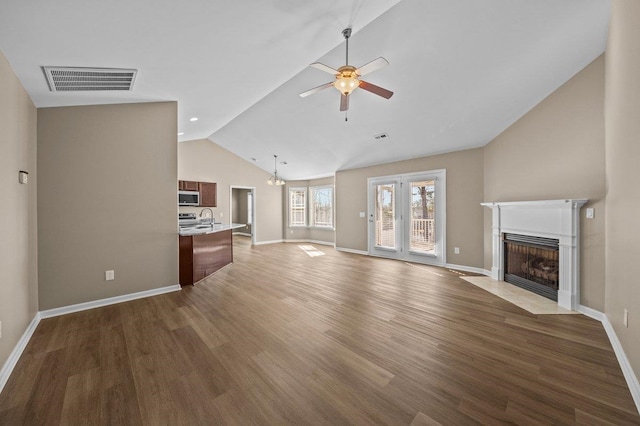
{"x":324,"y":243}
{"x":471,"y":269}
{"x":16,"y":353}
{"x":354,"y":251}
{"x":261,"y":243}
{"x":625,"y":365}
{"x":591,"y":313}
{"x":253,"y":209}
{"x":557,"y":219}
{"x":108,"y":301}
{"x":402,"y":215}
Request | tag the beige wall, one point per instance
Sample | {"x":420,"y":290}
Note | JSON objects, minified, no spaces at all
{"x":203,"y":160}
{"x":18,"y":212}
{"x":107,"y":200}
{"x":464,"y":195}
{"x":623,"y":175}
{"x":306,"y":233}
{"x":556,"y":151}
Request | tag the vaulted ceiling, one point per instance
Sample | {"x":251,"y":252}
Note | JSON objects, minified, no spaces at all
{"x":461,"y":71}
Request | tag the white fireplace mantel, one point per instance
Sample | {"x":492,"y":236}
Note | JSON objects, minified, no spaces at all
{"x":557,"y":219}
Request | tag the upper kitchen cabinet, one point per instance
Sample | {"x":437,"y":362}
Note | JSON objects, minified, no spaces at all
{"x":187,"y":185}
{"x":208,"y":195}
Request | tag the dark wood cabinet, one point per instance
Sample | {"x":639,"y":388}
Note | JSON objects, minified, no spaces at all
{"x":208,"y":195}
{"x":207,"y":190}
{"x":188,"y":185}
{"x":202,"y":255}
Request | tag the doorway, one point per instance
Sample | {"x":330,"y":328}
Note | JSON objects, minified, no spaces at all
{"x":242,"y":208}
{"x":407,"y":215}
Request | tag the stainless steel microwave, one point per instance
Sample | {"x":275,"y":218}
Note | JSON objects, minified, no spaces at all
{"x":188,"y":198}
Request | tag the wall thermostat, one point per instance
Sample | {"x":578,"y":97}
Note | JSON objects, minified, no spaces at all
{"x":23,"y":176}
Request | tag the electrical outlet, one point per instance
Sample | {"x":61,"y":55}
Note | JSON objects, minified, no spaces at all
{"x":456,"y":250}
{"x":109,"y":275}
{"x":626,"y":318}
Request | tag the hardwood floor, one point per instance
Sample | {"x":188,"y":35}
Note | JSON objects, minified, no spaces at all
{"x":280,"y":337}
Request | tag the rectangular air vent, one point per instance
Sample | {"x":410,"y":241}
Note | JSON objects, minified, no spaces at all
{"x":70,"y":79}
{"x":381,"y":136}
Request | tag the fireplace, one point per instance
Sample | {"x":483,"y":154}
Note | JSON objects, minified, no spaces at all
{"x":532,"y":263}
{"x":557,"y":220}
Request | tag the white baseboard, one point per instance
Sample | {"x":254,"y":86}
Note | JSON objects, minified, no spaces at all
{"x":471,"y":269}
{"x":16,"y":353}
{"x":11,"y":362}
{"x":591,"y":313}
{"x":625,"y":365}
{"x":348,"y":250}
{"x":244,"y":234}
{"x":261,"y":243}
{"x":324,"y":243}
{"x":108,"y":301}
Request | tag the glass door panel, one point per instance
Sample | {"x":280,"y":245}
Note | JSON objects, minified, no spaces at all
{"x":385,"y":213}
{"x":422,"y":215}
{"x":385,"y":228}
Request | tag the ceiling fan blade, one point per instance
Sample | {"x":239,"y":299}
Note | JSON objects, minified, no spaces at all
{"x":344,"y":102}
{"x":372,"y":66}
{"x":323,"y":67}
{"x":315,"y":90}
{"x":375,"y":89}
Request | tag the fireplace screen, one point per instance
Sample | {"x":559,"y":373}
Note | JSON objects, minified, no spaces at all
{"x":532,"y":263}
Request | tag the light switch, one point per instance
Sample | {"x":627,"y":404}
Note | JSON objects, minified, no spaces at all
{"x":362,"y":214}
{"x":590,"y":213}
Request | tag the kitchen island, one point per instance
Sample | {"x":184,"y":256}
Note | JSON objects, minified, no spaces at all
{"x":204,"y":249}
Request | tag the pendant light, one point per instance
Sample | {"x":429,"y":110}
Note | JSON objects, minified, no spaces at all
{"x":275,"y":180}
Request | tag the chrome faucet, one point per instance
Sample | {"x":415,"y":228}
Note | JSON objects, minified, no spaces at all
{"x":213,"y":219}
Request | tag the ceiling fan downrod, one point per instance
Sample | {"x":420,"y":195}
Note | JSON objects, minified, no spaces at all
{"x":347,"y":33}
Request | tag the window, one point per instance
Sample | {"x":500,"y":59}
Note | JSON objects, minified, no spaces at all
{"x":321,"y":206}
{"x":297,"y":206}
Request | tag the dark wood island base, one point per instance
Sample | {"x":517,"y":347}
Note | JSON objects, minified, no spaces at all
{"x":203,"y":254}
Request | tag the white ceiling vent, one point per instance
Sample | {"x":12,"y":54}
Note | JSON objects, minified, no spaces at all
{"x":381,"y":136}
{"x":69,"y":79}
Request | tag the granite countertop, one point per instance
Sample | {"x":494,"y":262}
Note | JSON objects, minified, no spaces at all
{"x":202,"y":229}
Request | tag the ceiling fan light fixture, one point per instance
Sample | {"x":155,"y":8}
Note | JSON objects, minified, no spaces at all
{"x":346,"y":85}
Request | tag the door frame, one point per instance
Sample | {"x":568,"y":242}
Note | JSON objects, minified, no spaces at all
{"x":253,"y":208}
{"x":403,"y":253}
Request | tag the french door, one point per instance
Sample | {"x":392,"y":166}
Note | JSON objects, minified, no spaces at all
{"x":406,"y":217}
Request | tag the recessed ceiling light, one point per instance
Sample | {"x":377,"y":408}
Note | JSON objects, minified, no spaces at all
{"x":193,"y":119}
{"x":181,"y":133}
{"x":254,"y":159}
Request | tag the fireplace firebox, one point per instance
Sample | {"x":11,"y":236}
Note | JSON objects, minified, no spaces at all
{"x":532,"y":263}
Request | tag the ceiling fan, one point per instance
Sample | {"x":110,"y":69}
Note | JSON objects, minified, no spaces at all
{"x":347,"y":77}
